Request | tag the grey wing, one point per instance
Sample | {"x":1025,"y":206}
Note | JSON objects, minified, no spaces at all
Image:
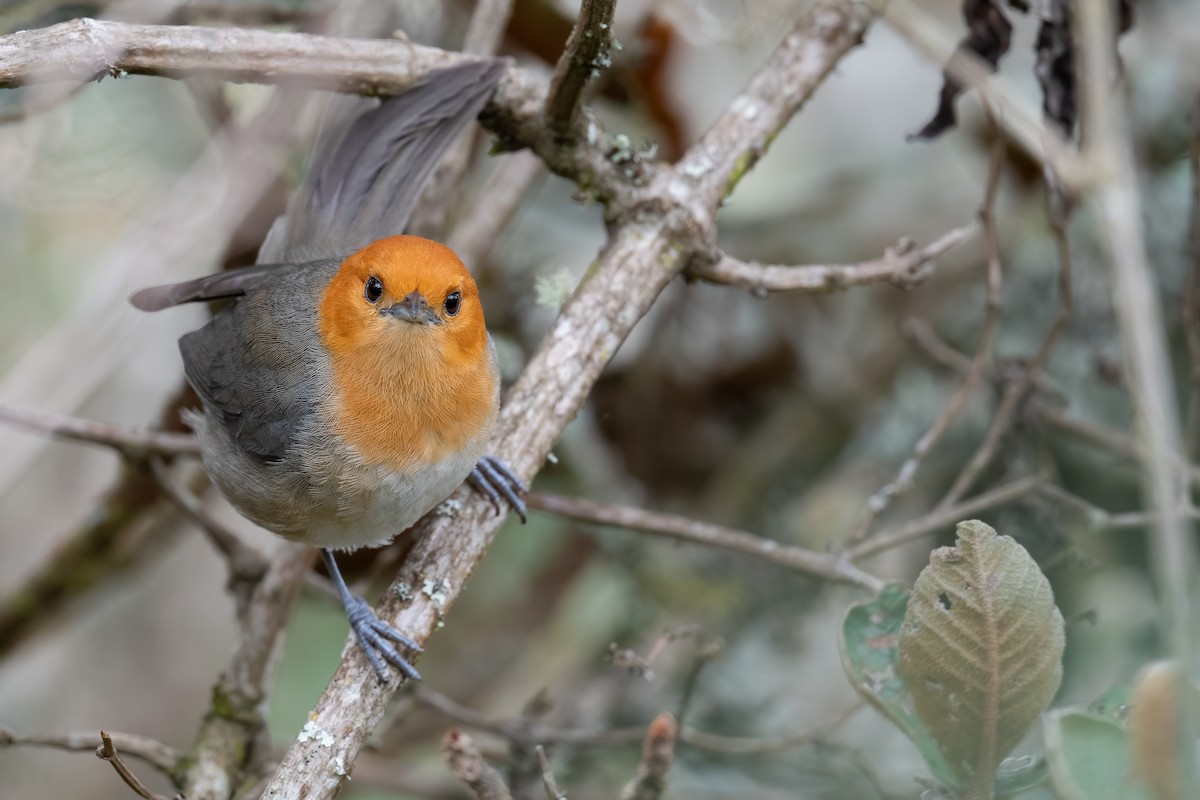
{"x":365,"y":183}
{"x":232,"y":283}
{"x":253,"y":363}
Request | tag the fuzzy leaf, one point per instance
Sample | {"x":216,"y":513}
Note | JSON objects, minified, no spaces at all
{"x":980,"y":650}
{"x":869,"y":640}
{"x":1088,"y":757}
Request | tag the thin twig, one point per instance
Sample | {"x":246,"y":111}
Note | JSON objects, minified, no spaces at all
{"x":548,"y":781}
{"x":158,"y":755}
{"x":658,"y":754}
{"x":811,"y":562}
{"x":465,"y":761}
{"x":521,"y":731}
{"x":941,"y":518}
{"x":904,"y":479}
{"x":134,"y":444}
{"x":108,"y":752}
{"x":1139,"y":318}
{"x":1058,"y":212}
{"x":903,"y":265}
{"x":585,"y":55}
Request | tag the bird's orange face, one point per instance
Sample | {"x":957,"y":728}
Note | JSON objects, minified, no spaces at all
{"x":401,"y":291}
{"x":404,"y":329}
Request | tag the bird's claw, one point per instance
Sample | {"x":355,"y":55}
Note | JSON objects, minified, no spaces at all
{"x":373,"y":635}
{"x":495,"y":481}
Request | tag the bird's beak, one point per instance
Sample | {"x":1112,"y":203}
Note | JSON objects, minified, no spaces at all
{"x":413,"y":308}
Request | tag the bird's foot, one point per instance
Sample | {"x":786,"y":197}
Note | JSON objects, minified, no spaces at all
{"x":494,"y":480}
{"x":375,"y":637}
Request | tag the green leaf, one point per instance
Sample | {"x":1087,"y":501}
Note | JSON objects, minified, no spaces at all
{"x":1113,"y":704}
{"x":1089,"y":757}
{"x":981,"y":651}
{"x":868,"y":641}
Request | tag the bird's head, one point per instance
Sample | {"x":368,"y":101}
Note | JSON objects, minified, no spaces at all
{"x":403,"y":298}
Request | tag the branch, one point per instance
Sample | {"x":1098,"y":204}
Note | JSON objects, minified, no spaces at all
{"x":675,"y":221}
{"x":496,"y":203}
{"x":903,"y":266}
{"x":1139,"y":318}
{"x":658,"y":754}
{"x":821,"y":565}
{"x":585,"y":55}
{"x":133,"y":444}
{"x":108,"y":752}
{"x":548,"y":781}
{"x":158,"y":755}
{"x":465,"y":761}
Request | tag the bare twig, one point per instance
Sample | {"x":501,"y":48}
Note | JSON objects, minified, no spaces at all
{"x":822,"y":565}
{"x":495,"y":206}
{"x":158,"y":755}
{"x":585,"y":55}
{"x":465,"y":761}
{"x":658,"y":754}
{"x":108,"y":752}
{"x":134,"y":444}
{"x":548,"y":781}
{"x":1058,"y":209}
{"x":941,"y":518}
{"x":1140,"y":321}
{"x":978,"y":365}
{"x":522,"y":732}
{"x":674,"y":220}
{"x":903,"y":266}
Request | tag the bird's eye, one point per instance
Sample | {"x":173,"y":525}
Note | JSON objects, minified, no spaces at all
{"x":453,"y":303}
{"x":373,"y":290}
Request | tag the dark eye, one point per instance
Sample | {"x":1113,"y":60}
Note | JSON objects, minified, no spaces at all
{"x":453,"y":303}
{"x":373,"y":290}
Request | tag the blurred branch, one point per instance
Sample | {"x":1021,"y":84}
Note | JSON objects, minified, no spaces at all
{"x":522,"y":731}
{"x":904,"y":479}
{"x":108,"y":752}
{"x":585,"y":55}
{"x":655,"y":229}
{"x":1191,"y":297}
{"x":904,"y":266}
{"x":658,"y":754}
{"x":496,"y":203}
{"x":484,"y":34}
{"x":1140,"y":321}
{"x":548,"y":780}
{"x":821,"y":565}
{"x":158,"y":755}
{"x":943,"y":517}
{"x":134,"y":444}
{"x":46,"y":100}
{"x":465,"y":761}
{"x":246,"y":565}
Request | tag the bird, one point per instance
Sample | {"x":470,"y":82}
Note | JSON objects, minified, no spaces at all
{"x":349,"y":383}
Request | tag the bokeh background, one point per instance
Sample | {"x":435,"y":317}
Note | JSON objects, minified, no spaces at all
{"x":780,"y":416}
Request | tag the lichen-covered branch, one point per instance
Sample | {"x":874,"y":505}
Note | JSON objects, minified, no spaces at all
{"x":585,"y":55}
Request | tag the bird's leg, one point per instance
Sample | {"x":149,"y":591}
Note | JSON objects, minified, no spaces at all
{"x":494,"y":480}
{"x":372,"y":632}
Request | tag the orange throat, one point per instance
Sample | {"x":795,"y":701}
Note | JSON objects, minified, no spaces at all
{"x":405,"y":409}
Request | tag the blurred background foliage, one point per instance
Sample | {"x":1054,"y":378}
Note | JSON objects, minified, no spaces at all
{"x":779,"y":416}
